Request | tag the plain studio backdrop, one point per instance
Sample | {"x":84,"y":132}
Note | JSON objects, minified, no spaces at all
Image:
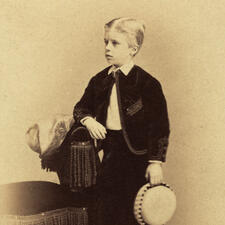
{"x":50,"y":49}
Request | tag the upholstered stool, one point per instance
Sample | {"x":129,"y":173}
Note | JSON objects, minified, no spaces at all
{"x":42,"y":203}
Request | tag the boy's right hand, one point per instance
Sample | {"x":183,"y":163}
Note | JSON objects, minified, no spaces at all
{"x":96,"y":129}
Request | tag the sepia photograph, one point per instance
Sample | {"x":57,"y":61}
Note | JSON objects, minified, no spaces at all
{"x":112,"y":112}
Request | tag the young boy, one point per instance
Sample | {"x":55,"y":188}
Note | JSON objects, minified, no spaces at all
{"x":124,"y":108}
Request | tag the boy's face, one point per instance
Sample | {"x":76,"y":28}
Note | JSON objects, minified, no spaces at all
{"x":117,"y":50}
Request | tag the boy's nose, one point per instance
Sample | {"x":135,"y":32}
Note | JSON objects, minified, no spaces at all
{"x":108,"y":46}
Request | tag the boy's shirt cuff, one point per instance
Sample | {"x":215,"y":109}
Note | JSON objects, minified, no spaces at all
{"x":155,"y":161}
{"x":83,"y":120}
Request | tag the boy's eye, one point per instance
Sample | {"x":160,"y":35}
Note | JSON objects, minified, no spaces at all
{"x":115,"y":43}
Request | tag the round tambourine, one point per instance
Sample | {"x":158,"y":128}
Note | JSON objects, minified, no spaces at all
{"x":154,"y":205}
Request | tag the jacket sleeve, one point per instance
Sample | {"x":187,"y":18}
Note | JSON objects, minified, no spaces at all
{"x":85,"y":107}
{"x":158,"y":124}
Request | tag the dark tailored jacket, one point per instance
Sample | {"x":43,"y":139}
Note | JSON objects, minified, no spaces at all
{"x":143,"y":107}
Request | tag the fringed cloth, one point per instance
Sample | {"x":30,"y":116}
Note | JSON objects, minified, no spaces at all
{"x":77,"y":162}
{"x":65,"y":216}
{"x":80,"y":170}
{"x":82,"y":165}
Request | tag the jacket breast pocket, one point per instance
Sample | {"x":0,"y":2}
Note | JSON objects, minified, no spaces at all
{"x":135,"y":107}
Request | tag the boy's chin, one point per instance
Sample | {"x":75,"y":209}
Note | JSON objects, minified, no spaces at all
{"x":111,"y":62}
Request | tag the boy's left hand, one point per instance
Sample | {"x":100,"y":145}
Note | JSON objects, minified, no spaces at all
{"x":154,"y":173}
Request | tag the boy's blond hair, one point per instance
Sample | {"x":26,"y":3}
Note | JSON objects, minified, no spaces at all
{"x":134,"y":30}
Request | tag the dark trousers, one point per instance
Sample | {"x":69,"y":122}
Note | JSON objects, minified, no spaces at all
{"x":120,"y":176}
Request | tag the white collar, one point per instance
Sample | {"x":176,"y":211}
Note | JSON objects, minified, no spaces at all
{"x":126,"y":68}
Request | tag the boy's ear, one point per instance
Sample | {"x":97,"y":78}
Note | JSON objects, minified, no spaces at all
{"x":134,"y":50}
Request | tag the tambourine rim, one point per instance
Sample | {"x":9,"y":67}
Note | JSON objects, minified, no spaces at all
{"x":138,"y":209}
